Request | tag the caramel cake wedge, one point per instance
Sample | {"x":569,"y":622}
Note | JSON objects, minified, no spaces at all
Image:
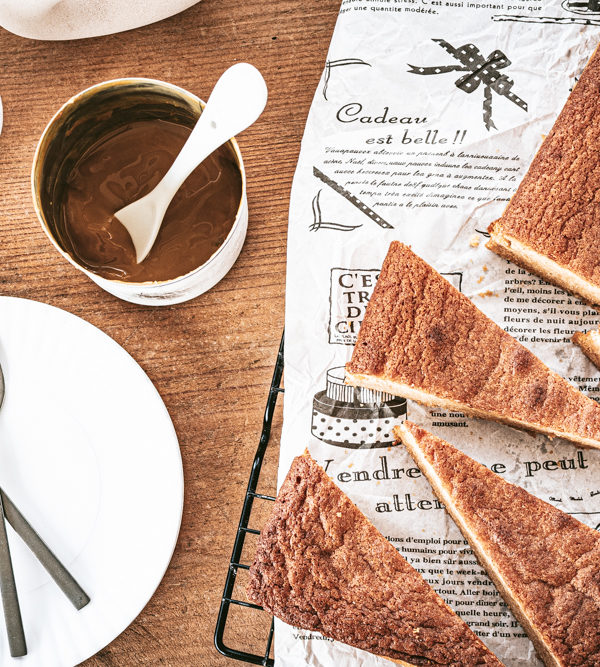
{"x":551,"y":225}
{"x":322,"y":566}
{"x":590,"y":344}
{"x":424,"y":340}
{"x":545,"y":563}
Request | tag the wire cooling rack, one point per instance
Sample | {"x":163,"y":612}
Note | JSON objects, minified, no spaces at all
{"x":229,"y":602}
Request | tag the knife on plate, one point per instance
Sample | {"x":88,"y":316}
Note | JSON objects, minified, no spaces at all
{"x":10,"y":599}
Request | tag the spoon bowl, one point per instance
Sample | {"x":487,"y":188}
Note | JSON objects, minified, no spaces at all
{"x":237,"y":100}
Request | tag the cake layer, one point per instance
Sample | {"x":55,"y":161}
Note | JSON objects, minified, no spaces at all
{"x":322,"y":566}
{"x":551,"y":225}
{"x":422,"y":339}
{"x":456,"y":406}
{"x":545,"y":563}
{"x":590,"y":344}
{"x":551,"y":270}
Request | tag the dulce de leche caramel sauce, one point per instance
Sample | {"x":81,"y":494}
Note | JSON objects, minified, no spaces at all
{"x":124,"y":166}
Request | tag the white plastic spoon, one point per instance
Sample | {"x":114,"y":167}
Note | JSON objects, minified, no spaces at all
{"x":236,"y":101}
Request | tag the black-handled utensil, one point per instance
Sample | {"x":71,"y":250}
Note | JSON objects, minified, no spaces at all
{"x":63,"y":578}
{"x":8,"y":588}
{"x":10,"y":599}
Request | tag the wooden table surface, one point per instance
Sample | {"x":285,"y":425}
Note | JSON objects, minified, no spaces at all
{"x":211,"y":358}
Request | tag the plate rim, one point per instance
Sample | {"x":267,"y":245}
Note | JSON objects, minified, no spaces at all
{"x":33,"y":304}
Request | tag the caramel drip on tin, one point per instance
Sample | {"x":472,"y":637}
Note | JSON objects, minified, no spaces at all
{"x":124,"y":166}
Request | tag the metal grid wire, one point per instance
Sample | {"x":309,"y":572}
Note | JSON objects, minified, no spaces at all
{"x":243,"y":530}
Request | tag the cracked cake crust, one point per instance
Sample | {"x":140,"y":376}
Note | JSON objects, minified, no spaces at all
{"x":545,"y":563}
{"x":551,"y":225}
{"x":422,"y":339}
{"x":321,"y":565}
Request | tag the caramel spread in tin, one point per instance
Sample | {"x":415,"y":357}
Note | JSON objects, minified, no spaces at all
{"x":125,"y":165}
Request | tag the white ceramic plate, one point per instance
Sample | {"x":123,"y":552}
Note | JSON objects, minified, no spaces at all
{"x":89,"y":455}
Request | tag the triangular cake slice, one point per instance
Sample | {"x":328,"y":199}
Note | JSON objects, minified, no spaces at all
{"x":321,"y":565}
{"x":545,"y":563}
{"x":590,"y":344}
{"x":422,"y":339}
{"x":551,"y":225}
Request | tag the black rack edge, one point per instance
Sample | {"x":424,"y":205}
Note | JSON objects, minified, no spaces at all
{"x":234,"y":563}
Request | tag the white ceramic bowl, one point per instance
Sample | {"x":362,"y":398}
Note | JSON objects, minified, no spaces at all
{"x":73,"y":19}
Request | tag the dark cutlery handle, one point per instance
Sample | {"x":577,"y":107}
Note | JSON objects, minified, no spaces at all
{"x":42,"y":552}
{"x":10,"y":600}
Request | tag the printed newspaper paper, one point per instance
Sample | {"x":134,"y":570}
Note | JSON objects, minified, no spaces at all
{"x":425,"y":120}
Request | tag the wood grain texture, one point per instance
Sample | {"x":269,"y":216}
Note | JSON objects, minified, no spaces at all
{"x":211,"y":358}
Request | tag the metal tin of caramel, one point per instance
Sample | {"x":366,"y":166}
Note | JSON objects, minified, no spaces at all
{"x":85,"y":119}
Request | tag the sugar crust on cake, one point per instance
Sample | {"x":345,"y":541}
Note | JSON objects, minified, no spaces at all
{"x":545,"y":563}
{"x":551,"y":225}
{"x":422,"y":339}
{"x":321,"y":565}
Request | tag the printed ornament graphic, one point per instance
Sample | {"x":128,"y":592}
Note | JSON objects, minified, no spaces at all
{"x":355,"y":417}
{"x":586,"y":11}
{"x":589,"y":7}
{"x":479,"y":71}
{"x":319,"y":223}
{"x":341,"y":62}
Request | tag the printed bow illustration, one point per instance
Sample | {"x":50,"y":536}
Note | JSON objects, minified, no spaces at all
{"x":479,"y":70}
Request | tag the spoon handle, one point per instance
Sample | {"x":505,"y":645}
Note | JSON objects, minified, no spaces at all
{"x":63,"y":578}
{"x":10,"y":600}
{"x":236,"y":101}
